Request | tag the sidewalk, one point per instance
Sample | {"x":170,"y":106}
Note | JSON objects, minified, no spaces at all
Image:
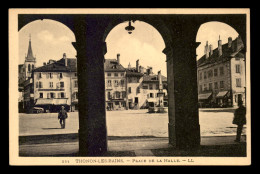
{"x":67,"y":145}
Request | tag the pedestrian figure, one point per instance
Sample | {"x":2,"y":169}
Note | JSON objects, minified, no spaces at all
{"x":62,"y":116}
{"x":239,"y":119}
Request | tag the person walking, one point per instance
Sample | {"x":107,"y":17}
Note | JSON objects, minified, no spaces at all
{"x":239,"y":119}
{"x":62,"y":116}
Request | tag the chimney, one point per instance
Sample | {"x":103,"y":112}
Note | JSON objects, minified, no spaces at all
{"x":219,"y":47}
{"x":118,"y":58}
{"x":129,"y":65}
{"x":210,"y":50}
{"x":151,"y":70}
{"x":44,"y":63}
{"x":206,"y":50}
{"x":238,"y":43}
{"x":65,"y":57}
{"x":160,"y":80}
{"x":137,"y":65}
{"x":229,"y":42}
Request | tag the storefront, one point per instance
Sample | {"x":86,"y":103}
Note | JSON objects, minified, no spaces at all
{"x":205,"y":100}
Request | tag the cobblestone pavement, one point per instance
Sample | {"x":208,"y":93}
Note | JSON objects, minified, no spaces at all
{"x":213,"y":122}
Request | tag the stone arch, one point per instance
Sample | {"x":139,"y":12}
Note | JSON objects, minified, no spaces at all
{"x":155,"y":22}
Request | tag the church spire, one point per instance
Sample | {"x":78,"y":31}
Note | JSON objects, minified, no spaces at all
{"x":30,"y":52}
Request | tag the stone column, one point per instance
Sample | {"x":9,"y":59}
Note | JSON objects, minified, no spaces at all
{"x":184,"y":129}
{"x":91,"y":88}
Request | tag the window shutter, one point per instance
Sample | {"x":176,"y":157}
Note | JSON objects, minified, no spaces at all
{"x":59,"y":95}
{"x":48,"y":95}
{"x":54,"y":95}
{"x":64,"y":94}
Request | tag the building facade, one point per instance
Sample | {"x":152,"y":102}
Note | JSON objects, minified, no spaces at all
{"x":115,"y":84}
{"x":55,"y":84}
{"x":221,"y":75}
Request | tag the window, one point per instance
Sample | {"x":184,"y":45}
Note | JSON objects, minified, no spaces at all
{"x":29,"y":67}
{"x":116,"y":82}
{"x":122,"y":82}
{"x":221,"y":85}
{"x":75,"y":83}
{"x":41,"y":95}
{"x":123,"y":94}
{"x":238,"y":82}
{"x":157,"y":86}
{"x":129,"y":90}
{"x":108,"y":74}
{"x":215,"y":72}
{"x":108,"y":95}
{"x":122,"y":74}
{"x":237,"y":68}
{"x":75,"y":74}
{"x":151,"y":95}
{"x":150,"y":86}
{"x":40,"y":75}
{"x":210,"y":86}
{"x":205,"y":87}
{"x":52,"y":95}
{"x":216,"y":85}
{"x":62,"y":95}
{"x":61,"y":84}
{"x":51,"y":84}
{"x":137,"y":90}
{"x":116,"y":74}
{"x":221,"y":71}
{"x":130,"y":80}
{"x":50,"y":75}
{"x":60,"y":75}
{"x":200,"y":88}
{"x":210,"y":73}
{"x":37,"y":84}
{"x":145,"y":87}
{"x":205,"y":75}
{"x":32,"y":67}
{"x":200,"y":76}
{"x":40,"y":84}
{"x":109,"y":83}
{"x":117,"y":94}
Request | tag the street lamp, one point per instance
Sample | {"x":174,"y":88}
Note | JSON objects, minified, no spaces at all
{"x":129,"y":28}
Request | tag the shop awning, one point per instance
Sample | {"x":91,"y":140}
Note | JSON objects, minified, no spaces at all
{"x":221,"y":94}
{"x":151,"y":100}
{"x":45,"y":101}
{"x":204,"y":96}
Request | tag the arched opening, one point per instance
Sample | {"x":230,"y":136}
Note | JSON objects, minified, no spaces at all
{"x":221,"y":77}
{"x":132,"y":85}
{"x":53,"y":82}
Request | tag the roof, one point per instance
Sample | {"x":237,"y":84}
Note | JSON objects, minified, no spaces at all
{"x":29,"y":56}
{"x":227,"y":54}
{"x":59,"y":66}
{"x":111,"y":65}
{"x":153,"y":78}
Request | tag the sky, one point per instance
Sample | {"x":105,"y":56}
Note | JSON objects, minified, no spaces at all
{"x":50,"y":39}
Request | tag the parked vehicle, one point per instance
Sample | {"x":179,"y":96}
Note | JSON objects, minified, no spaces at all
{"x":37,"y":110}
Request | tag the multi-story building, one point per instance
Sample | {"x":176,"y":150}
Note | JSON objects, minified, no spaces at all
{"x":55,"y":84}
{"x":115,"y":84}
{"x":221,"y":74}
{"x":143,"y":87}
